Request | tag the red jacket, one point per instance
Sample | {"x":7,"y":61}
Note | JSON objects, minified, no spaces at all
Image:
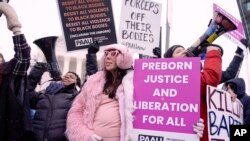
{"x":211,"y":75}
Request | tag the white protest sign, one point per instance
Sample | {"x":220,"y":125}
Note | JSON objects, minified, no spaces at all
{"x":140,"y":26}
{"x":222,"y":113}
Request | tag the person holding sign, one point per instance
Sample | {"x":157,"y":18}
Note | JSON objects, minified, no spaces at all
{"x":210,"y":75}
{"x":95,"y":113}
{"x":236,"y":88}
{"x":103,"y":109}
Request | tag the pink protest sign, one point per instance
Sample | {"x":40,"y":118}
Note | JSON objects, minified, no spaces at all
{"x":235,"y":35}
{"x":167,"y":94}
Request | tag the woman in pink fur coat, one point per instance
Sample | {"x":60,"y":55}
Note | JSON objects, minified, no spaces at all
{"x":102,"y":111}
{"x":95,"y":113}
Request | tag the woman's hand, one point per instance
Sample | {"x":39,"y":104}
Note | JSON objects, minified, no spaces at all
{"x":198,"y":128}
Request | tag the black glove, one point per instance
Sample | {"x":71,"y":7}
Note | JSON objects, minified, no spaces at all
{"x":35,"y":75}
{"x":54,"y":71}
{"x":93,"y":48}
{"x":239,"y":50}
{"x":157,"y":52}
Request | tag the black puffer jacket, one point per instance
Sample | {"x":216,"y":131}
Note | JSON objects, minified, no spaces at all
{"x":242,"y":96}
{"x":49,"y":121}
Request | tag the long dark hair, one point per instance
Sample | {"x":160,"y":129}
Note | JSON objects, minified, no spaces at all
{"x":112,"y":83}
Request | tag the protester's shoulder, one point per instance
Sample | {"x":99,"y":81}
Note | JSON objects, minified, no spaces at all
{"x":97,"y":76}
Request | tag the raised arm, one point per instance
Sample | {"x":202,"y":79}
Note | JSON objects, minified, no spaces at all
{"x":21,"y":61}
{"x":212,"y":71}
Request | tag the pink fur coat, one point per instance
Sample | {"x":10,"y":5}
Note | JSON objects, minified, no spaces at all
{"x":81,"y":114}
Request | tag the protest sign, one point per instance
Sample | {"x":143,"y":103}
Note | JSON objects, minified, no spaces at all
{"x":166,"y":99}
{"x":140,"y":26}
{"x":87,"y":21}
{"x":236,"y":35}
{"x":222,"y":113}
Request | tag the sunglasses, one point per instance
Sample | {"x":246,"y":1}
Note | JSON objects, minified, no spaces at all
{"x":113,"y":53}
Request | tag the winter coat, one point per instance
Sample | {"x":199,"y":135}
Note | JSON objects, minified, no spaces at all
{"x":232,"y":69}
{"x":49,"y":122}
{"x":81,"y":114}
{"x":211,"y":75}
{"x":242,"y":96}
{"x":15,"y":121}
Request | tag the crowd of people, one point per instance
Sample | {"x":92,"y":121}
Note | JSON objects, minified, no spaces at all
{"x":100,"y":107}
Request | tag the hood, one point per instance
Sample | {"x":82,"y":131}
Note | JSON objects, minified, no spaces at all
{"x":240,"y":86}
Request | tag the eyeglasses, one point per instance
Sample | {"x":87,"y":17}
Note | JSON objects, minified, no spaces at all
{"x":113,"y":53}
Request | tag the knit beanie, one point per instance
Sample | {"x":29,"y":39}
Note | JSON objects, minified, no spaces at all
{"x":170,"y":51}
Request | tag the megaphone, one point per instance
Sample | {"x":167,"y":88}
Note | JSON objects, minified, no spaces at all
{"x":47,"y":46}
{"x":219,"y":25}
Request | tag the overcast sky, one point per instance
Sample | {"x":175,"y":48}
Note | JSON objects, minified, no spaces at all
{"x":190,"y":18}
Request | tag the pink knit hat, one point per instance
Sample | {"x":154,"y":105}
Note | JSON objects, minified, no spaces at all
{"x":124,"y":60}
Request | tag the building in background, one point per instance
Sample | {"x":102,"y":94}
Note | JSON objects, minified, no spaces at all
{"x":68,"y":61}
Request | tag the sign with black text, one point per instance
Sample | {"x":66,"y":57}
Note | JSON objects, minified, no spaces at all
{"x":222,"y":112}
{"x":140,"y":26}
